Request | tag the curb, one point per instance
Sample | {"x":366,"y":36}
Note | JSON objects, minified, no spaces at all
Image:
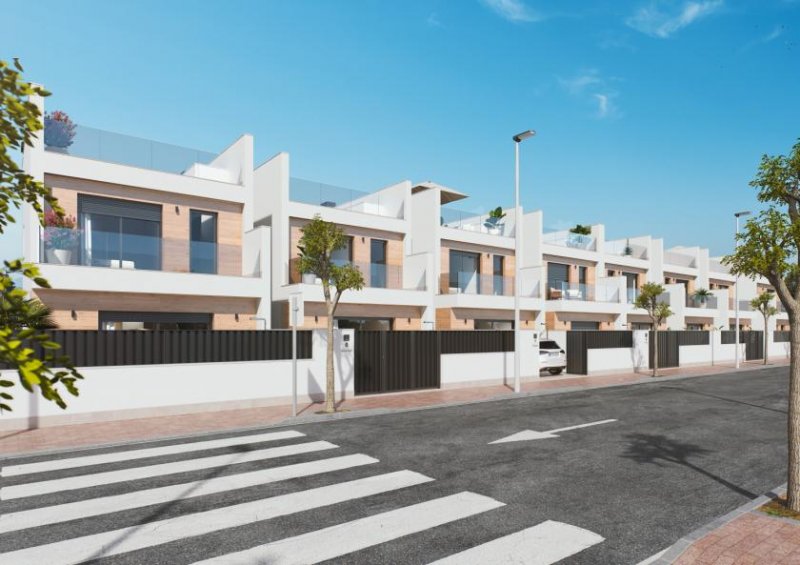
{"x":673,"y":552}
{"x":327,"y":418}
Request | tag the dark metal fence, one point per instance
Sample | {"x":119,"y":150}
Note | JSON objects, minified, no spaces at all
{"x":95,"y":348}
{"x":753,"y":340}
{"x":580,"y":342}
{"x":481,"y":341}
{"x":392,"y":361}
{"x":780,"y":337}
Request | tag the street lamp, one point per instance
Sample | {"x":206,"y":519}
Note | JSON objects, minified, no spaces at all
{"x":517,"y":252}
{"x":736,"y":284}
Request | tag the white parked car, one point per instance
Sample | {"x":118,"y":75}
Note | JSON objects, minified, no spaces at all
{"x":551,"y":357}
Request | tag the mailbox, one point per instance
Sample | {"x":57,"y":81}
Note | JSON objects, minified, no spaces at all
{"x":346,"y":343}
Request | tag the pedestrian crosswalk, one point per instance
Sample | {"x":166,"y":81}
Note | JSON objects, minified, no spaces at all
{"x":123,"y":502}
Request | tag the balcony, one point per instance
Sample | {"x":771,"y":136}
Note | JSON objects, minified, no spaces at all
{"x":582,"y":292}
{"x":100,"y":145}
{"x":476,"y":283}
{"x":470,"y":221}
{"x":126,"y":251}
{"x":566,"y":238}
{"x":631,"y":295}
{"x":376,"y":275}
{"x":744,"y":305}
{"x":328,"y":196}
{"x":679,"y":259}
{"x":709,"y":302}
{"x":623,"y":248}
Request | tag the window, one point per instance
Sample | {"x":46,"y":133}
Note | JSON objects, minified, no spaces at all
{"x":494,"y":325}
{"x":344,"y":255}
{"x":464,"y":271}
{"x":119,"y":233}
{"x":203,"y":248}
{"x":154,"y":321}
{"x":377,"y":267}
{"x":641,"y":326}
{"x":582,"y":275}
{"x":498,"y":264}
{"x":584,"y":326}
{"x":378,"y":324}
{"x":557,"y":277}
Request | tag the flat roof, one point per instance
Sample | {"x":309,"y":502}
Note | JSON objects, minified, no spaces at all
{"x":447,"y":194}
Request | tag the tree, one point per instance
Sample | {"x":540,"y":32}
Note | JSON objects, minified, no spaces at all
{"x":763,"y":304}
{"x":319,"y":241}
{"x":769,"y":247}
{"x":658,"y":312}
{"x":20,"y":334}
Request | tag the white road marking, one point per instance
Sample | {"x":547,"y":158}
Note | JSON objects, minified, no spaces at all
{"x":150,"y":534}
{"x":527,"y":435}
{"x":14,"y":521}
{"x":653,"y":558}
{"x":99,"y":459}
{"x":339,"y":540}
{"x":124,"y":475}
{"x":546,"y":543}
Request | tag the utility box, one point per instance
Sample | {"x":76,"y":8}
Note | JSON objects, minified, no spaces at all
{"x":346,"y":341}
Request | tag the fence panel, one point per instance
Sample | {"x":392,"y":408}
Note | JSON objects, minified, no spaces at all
{"x":97,"y":348}
{"x":480,"y":341}
{"x":580,"y":342}
{"x":392,"y":361}
{"x":780,"y":337}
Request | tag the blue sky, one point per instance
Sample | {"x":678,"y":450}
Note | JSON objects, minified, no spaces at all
{"x":651,"y":115}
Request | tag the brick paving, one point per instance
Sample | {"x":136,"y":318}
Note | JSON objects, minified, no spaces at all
{"x":111,"y":432}
{"x":752,"y":538}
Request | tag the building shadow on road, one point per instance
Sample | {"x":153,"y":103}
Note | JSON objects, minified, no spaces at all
{"x":660,"y":450}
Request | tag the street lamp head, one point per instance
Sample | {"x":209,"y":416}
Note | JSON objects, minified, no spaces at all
{"x":524,"y":135}
{"x":742,"y":213}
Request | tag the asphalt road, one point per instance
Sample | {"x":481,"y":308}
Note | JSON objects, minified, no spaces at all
{"x":680,"y":453}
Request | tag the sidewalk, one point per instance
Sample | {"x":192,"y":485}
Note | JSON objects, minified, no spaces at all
{"x":745,"y":536}
{"x":105,"y":433}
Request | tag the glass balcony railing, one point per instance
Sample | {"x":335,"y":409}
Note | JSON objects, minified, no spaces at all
{"x":744,"y":305}
{"x":476,"y":283}
{"x":329,"y":196}
{"x":701,"y":302}
{"x":679,"y":259}
{"x":581,"y":291}
{"x":64,"y":246}
{"x":111,"y":147}
{"x":376,"y":275}
{"x":470,"y":221}
{"x":565,"y":238}
{"x":625,"y":249}
{"x":631,"y":295}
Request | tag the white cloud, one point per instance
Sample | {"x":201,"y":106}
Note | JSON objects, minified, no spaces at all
{"x":578,"y":83}
{"x":512,"y":10}
{"x":662,"y":19}
{"x":776,"y":32}
{"x":433,"y":20}
{"x":590,"y":86}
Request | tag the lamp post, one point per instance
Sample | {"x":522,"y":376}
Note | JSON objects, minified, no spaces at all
{"x":736,"y":285}
{"x":517,"y":252}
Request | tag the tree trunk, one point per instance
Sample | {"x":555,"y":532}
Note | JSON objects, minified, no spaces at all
{"x":329,"y":373}
{"x":766,"y":339}
{"x":793,"y":488}
{"x":655,"y":351}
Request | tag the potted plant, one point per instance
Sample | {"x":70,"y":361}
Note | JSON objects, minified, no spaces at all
{"x":701,"y":296}
{"x":60,"y":238}
{"x":579,"y":236}
{"x":495,"y":221}
{"x":59,"y":130}
{"x":581,"y":229}
{"x":628,"y":251}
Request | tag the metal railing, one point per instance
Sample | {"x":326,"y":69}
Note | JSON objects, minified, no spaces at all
{"x":566,"y":238}
{"x":114,"y":250}
{"x":330,"y":196}
{"x":91,"y":143}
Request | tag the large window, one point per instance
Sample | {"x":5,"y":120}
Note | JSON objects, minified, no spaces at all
{"x":557,"y":277}
{"x":154,"y":321}
{"x":498,"y":262}
{"x":119,"y":233}
{"x":377,"y":267}
{"x":378,"y":324}
{"x":464,"y":268}
{"x":203,"y":250}
{"x":344,"y":255}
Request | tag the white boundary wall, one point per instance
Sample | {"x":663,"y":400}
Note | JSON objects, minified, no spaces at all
{"x":462,"y":369}
{"x":140,"y":391}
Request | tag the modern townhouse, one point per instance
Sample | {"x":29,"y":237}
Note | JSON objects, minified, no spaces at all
{"x":397,"y":278}
{"x":156,"y":236}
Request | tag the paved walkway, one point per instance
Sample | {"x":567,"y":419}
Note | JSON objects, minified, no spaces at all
{"x":102,"y":433}
{"x":753,"y":538}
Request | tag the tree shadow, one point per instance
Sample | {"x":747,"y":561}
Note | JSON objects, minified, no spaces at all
{"x":660,"y":450}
